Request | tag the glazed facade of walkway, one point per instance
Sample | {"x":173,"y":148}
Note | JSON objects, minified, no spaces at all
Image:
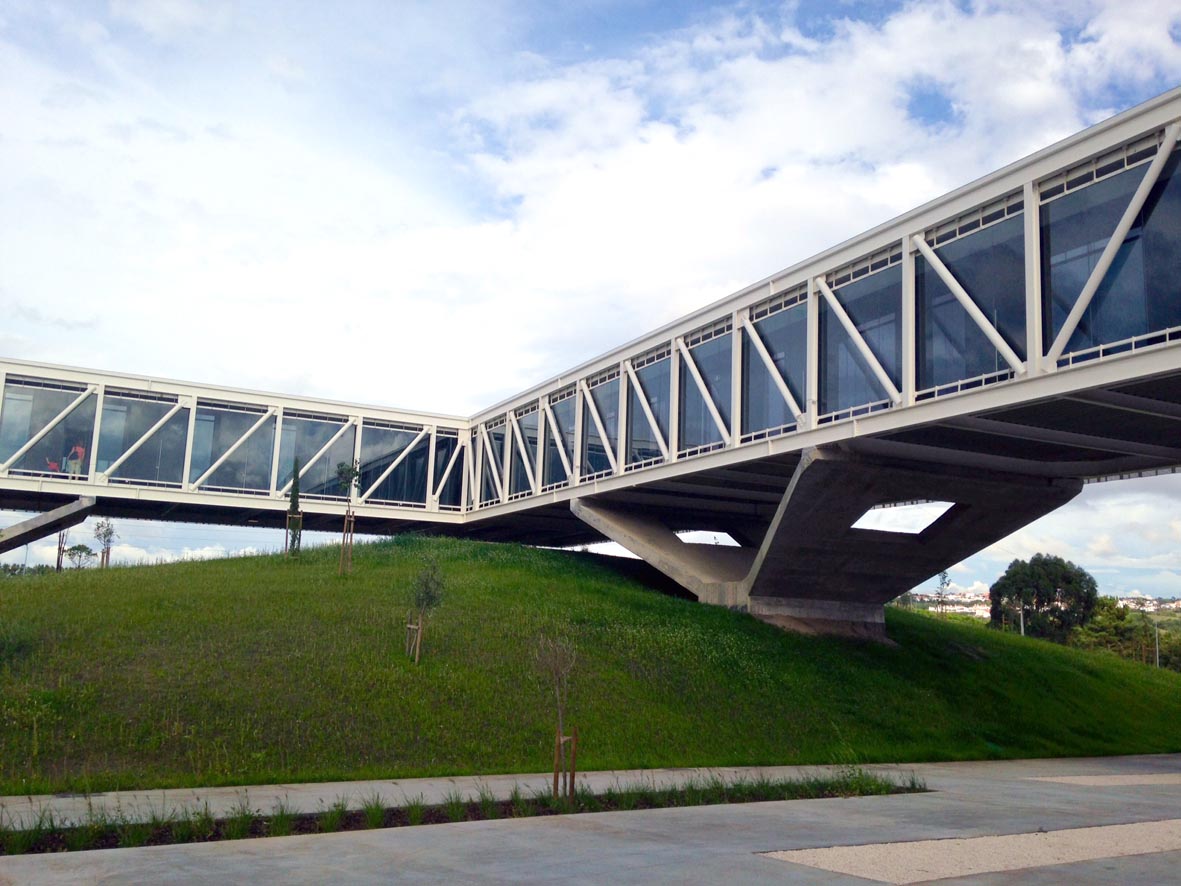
{"x":992,"y":349}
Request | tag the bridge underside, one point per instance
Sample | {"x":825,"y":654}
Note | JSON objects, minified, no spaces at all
{"x":800,"y":563}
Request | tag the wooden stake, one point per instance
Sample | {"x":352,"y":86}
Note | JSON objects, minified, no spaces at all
{"x":573,"y":764}
{"x":557,"y":758}
{"x":346,"y":543}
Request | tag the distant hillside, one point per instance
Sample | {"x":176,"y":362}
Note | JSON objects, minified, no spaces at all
{"x":269,"y":670}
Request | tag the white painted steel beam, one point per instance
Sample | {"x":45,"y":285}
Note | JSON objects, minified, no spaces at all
{"x":647,"y":408}
{"x":490,"y":461}
{"x":866,"y":352}
{"x":723,"y":429}
{"x":134,"y":447}
{"x":320,"y":453}
{"x":599,"y":426}
{"x":769,"y":362}
{"x":447,"y":470}
{"x":1117,"y":239}
{"x":270,"y":413}
{"x":559,"y":438}
{"x":53,"y":423}
{"x":523,"y":450}
{"x":394,"y":464}
{"x":965,"y":300}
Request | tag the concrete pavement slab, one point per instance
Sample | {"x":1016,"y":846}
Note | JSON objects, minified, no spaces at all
{"x":694,"y":845}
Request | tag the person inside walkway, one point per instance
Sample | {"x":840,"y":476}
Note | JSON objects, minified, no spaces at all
{"x":75,"y":459}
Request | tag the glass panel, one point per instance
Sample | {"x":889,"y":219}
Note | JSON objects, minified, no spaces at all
{"x":250,"y":465}
{"x":321,"y":477}
{"x":496,"y":436}
{"x":594,"y":454}
{"x":873,"y":304}
{"x":16,"y":419}
{"x":713,"y":362}
{"x":302,"y":438}
{"x":606,"y":397}
{"x":642,"y":444}
{"x":530,"y":428}
{"x":406,"y":484}
{"x":555,"y":471}
{"x":66,"y":448}
{"x":493,"y":455}
{"x":656,"y":380}
{"x":450,"y":496}
{"x":444,"y":448}
{"x":25,"y":412}
{"x":379,"y":447}
{"x":1141,"y":292}
{"x":161,"y":459}
{"x":214,"y":432}
{"x":785,"y":336}
{"x":990,"y":265}
{"x":564,"y":413}
{"x":518,"y":478}
{"x":762,"y":405}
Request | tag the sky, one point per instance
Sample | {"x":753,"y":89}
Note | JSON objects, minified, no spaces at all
{"x":434,"y":205}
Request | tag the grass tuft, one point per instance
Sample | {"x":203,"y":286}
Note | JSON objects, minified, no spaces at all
{"x":373,"y":810}
{"x":332,"y":819}
{"x":282,"y":819}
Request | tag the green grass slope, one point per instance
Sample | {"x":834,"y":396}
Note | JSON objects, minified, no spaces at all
{"x":262,"y":670}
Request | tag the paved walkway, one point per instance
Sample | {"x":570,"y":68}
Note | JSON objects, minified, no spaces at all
{"x":316,"y":797}
{"x":1050,"y":800}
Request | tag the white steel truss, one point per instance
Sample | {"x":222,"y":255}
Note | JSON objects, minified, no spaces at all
{"x":134,"y":447}
{"x":859,"y":342}
{"x":262,"y":419}
{"x":761,"y":349}
{"x":593,"y":408}
{"x":965,"y":300}
{"x":523,"y":451}
{"x":394,"y":464}
{"x":352,"y":422}
{"x":691,"y":365}
{"x":1117,"y":239}
{"x":1045,"y":371}
{"x":647,"y":409}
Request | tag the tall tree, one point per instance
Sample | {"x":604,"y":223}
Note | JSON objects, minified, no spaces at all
{"x":1052,"y":595}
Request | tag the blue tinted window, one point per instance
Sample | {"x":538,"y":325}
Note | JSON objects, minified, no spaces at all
{"x":380,"y":446}
{"x":990,"y":265}
{"x":698,"y":427}
{"x":785,"y":336}
{"x":873,"y":304}
{"x":1141,"y":292}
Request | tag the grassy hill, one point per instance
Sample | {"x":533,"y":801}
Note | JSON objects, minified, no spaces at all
{"x":268,"y":670}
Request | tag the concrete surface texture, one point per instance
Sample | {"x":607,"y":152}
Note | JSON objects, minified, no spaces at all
{"x":711,"y":844}
{"x":41,"y":525}
{"x":813,"y":571}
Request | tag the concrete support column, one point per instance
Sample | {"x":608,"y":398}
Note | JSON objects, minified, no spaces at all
{"x":813,"y":571}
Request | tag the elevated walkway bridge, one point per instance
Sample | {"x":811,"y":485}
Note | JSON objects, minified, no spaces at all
{"x":992,"y":349}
